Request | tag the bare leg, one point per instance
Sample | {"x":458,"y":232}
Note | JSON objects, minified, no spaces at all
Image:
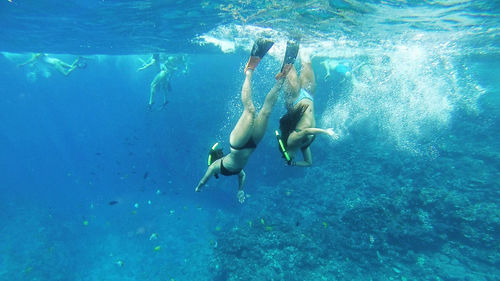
{"x":326,"y":64}
{"x":151,"y":94}
{"x":76,"y":61}
{"x":244,"y":128}
{"x":307,"y":79}
{"x":63,"y":64}
{"x":68,"y":71}
{"x":63,"y":68}
{"x":152,"y":91}
{"x":155,"y":84}
{"x":165,"y":89}
{"x":292,"y":87}
{"x":263,"y":116}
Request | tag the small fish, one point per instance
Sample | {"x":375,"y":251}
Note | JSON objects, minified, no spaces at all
{"x":112,"y":202}
{"x":153,"y":236}
{"x":146,"y":174}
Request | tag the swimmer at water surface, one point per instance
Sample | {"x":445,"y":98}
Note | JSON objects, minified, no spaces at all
{"x":57,"y":64}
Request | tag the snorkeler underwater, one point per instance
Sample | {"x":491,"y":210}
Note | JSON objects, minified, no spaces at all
{"x":250,"y":140}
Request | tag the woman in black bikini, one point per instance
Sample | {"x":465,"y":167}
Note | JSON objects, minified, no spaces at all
{"x":251,"y":126}
{"x":297,"y":126}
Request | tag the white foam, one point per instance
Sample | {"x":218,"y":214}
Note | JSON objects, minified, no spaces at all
{"x":408,"y":91}
{"x":409,"y":94}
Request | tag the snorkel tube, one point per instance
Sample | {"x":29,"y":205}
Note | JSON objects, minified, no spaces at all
{"x":214,"y":154}
{"x":210,"y":153}
{"x":282,"y":148}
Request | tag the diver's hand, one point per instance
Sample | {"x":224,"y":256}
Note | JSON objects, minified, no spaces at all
{"x":241,"y":196}
{"x":332,"y":134}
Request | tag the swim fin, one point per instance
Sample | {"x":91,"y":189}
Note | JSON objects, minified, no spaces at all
{"x":292,"y":49}
{"x":259,"y":50}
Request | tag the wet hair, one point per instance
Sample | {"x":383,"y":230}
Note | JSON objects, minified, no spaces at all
{"x":156,"y":56}
{"x":289,"y":121}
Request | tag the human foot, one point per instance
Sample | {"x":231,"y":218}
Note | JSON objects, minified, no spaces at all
{"x":260,"y":48}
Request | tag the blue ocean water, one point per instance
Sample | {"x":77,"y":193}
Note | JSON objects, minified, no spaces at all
{"x":95,"y":186}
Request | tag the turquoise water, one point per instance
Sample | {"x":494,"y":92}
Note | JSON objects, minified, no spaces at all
{"x":97,"y":187}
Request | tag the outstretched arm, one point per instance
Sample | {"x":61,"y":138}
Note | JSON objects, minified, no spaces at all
{"x":316,"y":131}
{"x":147,"y":65}
{"x":210,"y":172}
{"x":241,"y":181}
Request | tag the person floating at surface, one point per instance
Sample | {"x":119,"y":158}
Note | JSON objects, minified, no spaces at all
{"x":339,"y":76}
{"x":62,"y":67}
{"x":341,"y":69}
{"x":297,"y":126}
{"x":249,"y":129}
{"x":161,"y":82}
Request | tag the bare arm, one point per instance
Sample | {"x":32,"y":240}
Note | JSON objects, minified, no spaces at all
{"x":145,"y":66}
{"x":315,"y":131}
{"x":241,"y":181}
{"x":210,"y":172}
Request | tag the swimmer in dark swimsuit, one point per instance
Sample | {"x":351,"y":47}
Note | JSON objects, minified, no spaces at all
{"x":298,"y":124}
{"x":250,"y":128}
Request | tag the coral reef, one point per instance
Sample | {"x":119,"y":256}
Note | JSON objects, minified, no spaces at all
{"x":372,"y":213}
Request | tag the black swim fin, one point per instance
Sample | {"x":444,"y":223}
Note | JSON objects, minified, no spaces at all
{"x":292,"y":49}
{"x":260,"y":48}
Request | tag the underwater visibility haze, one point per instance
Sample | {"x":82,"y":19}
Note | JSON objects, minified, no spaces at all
{"x":98,"y":174}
